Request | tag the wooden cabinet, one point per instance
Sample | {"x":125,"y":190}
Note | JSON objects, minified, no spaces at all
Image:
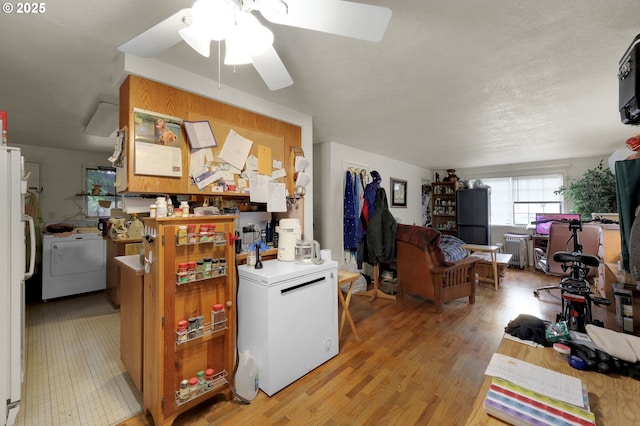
{"x":611,"y":276}
{"x":171,"y":296}
{"x":443,"y":207}
{"x":474,"y":215}
{"x":131,"y":315}
{"x":115,"y":248}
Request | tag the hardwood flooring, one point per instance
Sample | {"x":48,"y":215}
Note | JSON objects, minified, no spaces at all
{"x":411,"y":365}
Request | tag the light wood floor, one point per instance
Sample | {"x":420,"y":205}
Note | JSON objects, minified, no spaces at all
{"x":411,"y":366}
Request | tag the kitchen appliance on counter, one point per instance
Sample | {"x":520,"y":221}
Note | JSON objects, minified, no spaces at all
{"x":308,"y":252}
{"x":289,"y":232}
{"x":288,"y":319}
{"x":13,"y":274}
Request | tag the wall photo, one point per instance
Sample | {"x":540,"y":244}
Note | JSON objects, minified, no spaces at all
{"x":398,"y":192}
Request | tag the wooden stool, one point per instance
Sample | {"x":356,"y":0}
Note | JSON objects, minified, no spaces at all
{"x":343,"y":278}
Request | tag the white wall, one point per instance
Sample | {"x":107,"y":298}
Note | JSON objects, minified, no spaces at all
{"x":61,"y":178}
{"x":331,"y":160}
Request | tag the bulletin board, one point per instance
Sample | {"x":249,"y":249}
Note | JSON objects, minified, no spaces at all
{"x":267,"y":134}
{"x":261,"y":140}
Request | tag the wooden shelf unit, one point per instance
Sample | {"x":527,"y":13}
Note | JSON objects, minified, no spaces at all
{"x":443,"y":207}
{"x":166,"y":362}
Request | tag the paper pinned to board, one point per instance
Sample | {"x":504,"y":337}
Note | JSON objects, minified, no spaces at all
{"x":301,"y":164}
{"x":277,"y":174}
{"x":235,"y":149}
{"x":200,"y":134}
{"x":251,"y":163}
{"x":259,"y":187}
{"x":264,"y":160}
{"x":277,"y":197}
{"x":303,"y":180}
{"x":115,"y":158}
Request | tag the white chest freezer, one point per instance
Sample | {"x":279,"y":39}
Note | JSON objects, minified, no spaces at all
{"x":288,"y":319}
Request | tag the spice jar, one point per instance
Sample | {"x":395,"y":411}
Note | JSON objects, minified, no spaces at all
{"x":204,"y":233}
{"x":218,"y":317}
{"x":191,"y":270}
{"x":200,"y":270}
{"x":182,"y":331}
{"x":192,"y":327}
{"x":182,"y":273}
{"x":182,"y":234}
{"x":202,"y":385}
{"x":199,"y":325}
{"x":207,"y":267}
{"x":208,"y":378}
{"x":193,"y":387}
{"x":184,"y":390}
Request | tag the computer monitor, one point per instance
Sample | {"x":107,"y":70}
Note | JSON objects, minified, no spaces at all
{"x":543,"y":228}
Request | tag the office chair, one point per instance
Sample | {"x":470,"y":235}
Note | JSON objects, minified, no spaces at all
{"x":561,"y":240}
{"x":574,"y":288}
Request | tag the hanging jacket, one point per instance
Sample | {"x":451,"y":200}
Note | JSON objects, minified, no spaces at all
{"x":381,"y":231}
{"x":350,"y":215}
{"x":359,"y":199}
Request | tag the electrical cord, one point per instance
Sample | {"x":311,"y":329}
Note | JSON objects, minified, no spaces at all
{"x":232,"y":388}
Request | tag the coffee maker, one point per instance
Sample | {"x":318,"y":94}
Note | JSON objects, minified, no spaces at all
{"x":288,"y":234}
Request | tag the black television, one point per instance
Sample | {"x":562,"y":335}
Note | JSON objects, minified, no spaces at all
{"x":629,"y":84}
{"x":543,"y":228}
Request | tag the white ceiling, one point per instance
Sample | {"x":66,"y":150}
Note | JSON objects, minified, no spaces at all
{"x":456,"y":83}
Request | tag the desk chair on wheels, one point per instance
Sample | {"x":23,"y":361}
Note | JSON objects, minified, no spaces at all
{"x":561,"y":239}
{"x":575,"y":289}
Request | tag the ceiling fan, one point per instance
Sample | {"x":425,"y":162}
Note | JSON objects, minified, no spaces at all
{"x":247,"y":40}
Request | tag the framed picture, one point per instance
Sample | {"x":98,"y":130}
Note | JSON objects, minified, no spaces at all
{"x":398,"y":193}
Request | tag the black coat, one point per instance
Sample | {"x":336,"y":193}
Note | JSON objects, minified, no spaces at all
{"x":381,"y":232}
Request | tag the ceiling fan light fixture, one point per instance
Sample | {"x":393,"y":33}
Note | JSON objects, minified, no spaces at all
{"x":214,"y":17}
{"x":272,"y":9}
{"x":196,"y":38}
{"x":235,"y":53}
{"x":254,"y":37}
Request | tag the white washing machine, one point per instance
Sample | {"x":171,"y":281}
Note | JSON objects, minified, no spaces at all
{"x":73,"y":264}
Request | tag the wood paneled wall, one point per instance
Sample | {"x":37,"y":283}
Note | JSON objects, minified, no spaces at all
{"x":137,"y":92}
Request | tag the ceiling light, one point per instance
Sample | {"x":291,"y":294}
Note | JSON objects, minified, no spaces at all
{"x":197,"y":39}
{"x":235,"y":53}
{"x":104,"y":120}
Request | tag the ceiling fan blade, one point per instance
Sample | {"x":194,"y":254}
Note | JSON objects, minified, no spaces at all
{"x":345,"y":18}
{"x":158,"y":38}
{"x":272,"y":70}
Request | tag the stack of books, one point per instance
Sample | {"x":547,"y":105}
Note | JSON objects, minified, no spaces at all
{"x":521,"y":406}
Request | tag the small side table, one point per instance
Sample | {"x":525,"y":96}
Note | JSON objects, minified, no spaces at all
{"x":343,"y":278}
{"x":493,"y":250}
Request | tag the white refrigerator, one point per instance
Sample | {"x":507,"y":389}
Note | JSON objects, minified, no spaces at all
{"x":288,"y":319}
{"x":13,"y":272}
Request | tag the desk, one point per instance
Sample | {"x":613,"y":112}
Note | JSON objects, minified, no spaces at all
{"x":343,"y":278}
{"x":613,"y":399}
{"x":493,"y":251}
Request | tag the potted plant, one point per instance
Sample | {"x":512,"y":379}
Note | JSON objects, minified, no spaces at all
{"x":594,"y":192}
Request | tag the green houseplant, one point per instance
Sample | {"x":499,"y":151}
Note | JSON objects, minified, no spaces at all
{"x":594,"y":192}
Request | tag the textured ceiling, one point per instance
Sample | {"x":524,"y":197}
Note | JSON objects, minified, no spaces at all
{"x":452,"y":84}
